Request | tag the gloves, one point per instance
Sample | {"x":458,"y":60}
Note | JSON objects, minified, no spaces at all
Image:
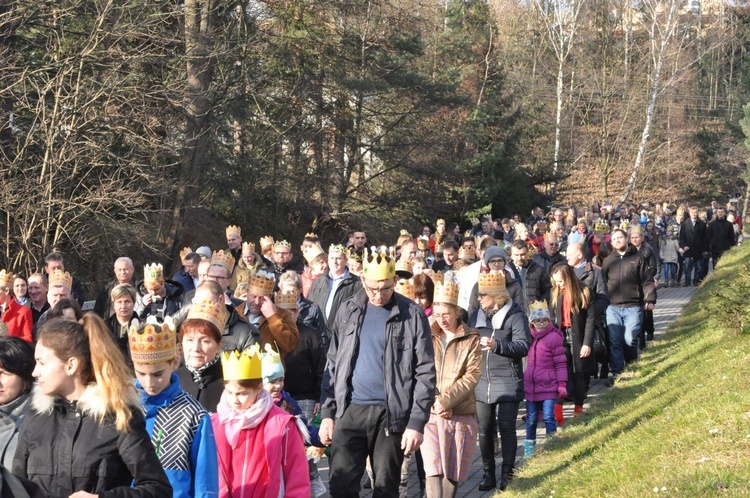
{"x":562,"y":391}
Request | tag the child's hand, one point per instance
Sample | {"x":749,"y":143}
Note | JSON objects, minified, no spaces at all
{"x":562,"y":391}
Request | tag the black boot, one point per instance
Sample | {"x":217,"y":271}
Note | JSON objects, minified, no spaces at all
{"x":506,"y":475}
{"x":488,"y":481}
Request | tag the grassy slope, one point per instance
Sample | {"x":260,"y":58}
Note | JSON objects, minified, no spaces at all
{"x":680,"y":419}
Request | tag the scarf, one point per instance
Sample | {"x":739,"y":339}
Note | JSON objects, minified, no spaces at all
{"x":490,"y":312}
{"x":234,"y":422}
{"x":198,"y":372}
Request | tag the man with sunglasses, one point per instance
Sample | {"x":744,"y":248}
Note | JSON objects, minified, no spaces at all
{"x":551,"y":254}
{"x":379,"y":383}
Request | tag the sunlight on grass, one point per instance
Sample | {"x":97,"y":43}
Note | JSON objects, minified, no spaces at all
{"x":677,"y":423}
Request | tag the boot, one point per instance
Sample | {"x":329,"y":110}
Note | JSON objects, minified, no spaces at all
{"x":506,"y":475}
{"x":666,"y":284}
{"x":559,"y":417}
{"x":577,"y":410}
{"x":496,"y":442}
{"x":488,"y":480}
{"x":528,"y":448}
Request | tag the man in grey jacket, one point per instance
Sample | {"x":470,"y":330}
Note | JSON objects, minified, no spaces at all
{"x":379,"y":383}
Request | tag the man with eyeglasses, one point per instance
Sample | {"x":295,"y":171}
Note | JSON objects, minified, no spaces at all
{"x":379,"y":383}
{"x":551,"y":254}
{"x":282,"y":259}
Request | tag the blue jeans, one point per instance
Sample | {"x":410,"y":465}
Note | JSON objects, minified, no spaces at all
{"x":670,"y":271}
{"x":692,"y":267}
{"x":624,"y":325}
{"x":532,"y":417}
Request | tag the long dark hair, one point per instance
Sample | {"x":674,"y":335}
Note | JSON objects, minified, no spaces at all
{"x":17,"y":357}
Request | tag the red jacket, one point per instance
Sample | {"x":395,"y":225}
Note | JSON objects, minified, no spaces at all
{"x":18,"y":319}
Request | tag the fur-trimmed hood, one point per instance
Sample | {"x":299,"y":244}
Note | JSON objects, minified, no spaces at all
{"x":91,"y":403}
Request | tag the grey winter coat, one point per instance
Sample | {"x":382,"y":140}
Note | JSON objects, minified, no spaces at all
{"x":11,"y":417}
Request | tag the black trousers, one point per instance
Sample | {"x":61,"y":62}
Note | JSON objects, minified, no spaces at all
{"x":578,"y":382}
{"x":498,"y":417}
{"x":358,"y":434}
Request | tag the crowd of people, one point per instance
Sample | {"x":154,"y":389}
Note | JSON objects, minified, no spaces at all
{"x":234,"y":376}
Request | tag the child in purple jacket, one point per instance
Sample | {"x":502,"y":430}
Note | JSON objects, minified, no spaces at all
{"x":546,"y":374}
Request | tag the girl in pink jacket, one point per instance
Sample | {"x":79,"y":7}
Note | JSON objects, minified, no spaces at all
{"x":261,"y":450}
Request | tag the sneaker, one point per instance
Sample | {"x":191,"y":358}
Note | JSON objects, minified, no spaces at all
{"x":528,"y":448}
{"x":317,"y":488}
{"x":611,"y":382}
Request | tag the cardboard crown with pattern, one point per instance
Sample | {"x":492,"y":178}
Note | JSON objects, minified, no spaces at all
{"x":153,"y":343}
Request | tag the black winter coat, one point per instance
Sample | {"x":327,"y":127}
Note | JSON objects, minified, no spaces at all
{"x":651,"y":258}
{"x":304,"y":365}
{"x":311,"y":315}
{"x":502,"y":369}
{"x":208,"y":389}
{"x":319,"y":294}
{"x":238,"y":334}
{"x":547,"y":261}
{"x":170,"y":305}
{"x":581,"y":334}
{"x":720,"y":235}
{"x":64,"y":449}
{"x":537,"y":284}
{"x":103,"y":304}
{"x":629,"y":281}
{"x":592,"y":278}
{"x":695,"y":238}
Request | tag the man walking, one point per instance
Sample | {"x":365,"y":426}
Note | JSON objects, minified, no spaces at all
{"x":692,"y":245}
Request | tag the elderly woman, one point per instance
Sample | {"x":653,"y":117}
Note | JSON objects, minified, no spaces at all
{"x":247,"y":266}
{"x":16,"y":381}
{"x":450,"y":435}
{"x":505,"y":340}
{"x":123,"y":298}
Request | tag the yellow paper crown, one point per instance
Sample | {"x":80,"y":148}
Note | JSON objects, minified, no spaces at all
{"x":491,"y":283}
{"x":624,"y":225}
{"x":378,"y":266}
{"x":6,"y":278}
{"x":262,"y":283}
{"x":286,"y":300}
{"x":446,"y":293}
{"x":153,"y":343}
{"x":423,"y":243}
{"x":248,"y":246}
{"x":311,"y":252}
{"x":702,"y":215}
{"x":464,"y":253}
{"x":355,"y":255}
{"x":440,"y":221}
{"x":601,"y":226}
{"x":61,"y":278}
{"x":334,"y":248}
{"x":311,"y":234}
{"x":153,"y":273}
{"x":282,"y":243}
{"x":213,"y":313}
{"x":185,"y":251}
{"x":224,"y":259}
{"x":403,"y":268}
{"x":245,"y":365}
{"x":266,"y":242}
{"x":234,"y":230}
{"x":406,"y":288}
{"x":681,"y":211}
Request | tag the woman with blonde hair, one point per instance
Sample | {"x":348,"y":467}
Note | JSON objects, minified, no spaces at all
{"x":85,"y":408}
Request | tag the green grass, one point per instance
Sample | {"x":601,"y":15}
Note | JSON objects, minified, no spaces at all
{"x":677,"y":423}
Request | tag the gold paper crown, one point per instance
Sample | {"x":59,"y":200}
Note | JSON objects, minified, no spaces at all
{"x":311,"y":252}
{"x":248,"y":246}
{"x":153,"y":273}
{"x":336,"y":248}
{"x":680,"y":211}
{"x":224,"y":259}
{"x":185,"y":251}
{"x":234,"y":230}
{"x":423,"y":243}
{"x":282,"y":243}
{"x":446,"y":293}
{"x":702,"y":215}
{"x":403,"y":268}
{"x":491,"y":283}
{"x":213,"y":313}
{"x":475,"y":221}
{"x":440,"y":221}
{"x":154,"y":343}
{"x":464,"y":253}
{"x":405,"y":287}
{"x":355,"y":255}
{"x":6,"y":278}
{"x":624,"y":225}
{"x":245,"y":365}
{"x":262,"y":283}
{"x":378,"y":266}
{"x":311,"y":234}
{"x":287,"y":300}
{"x":61,"y":278}
{"x":601,"y":226}
{"x":266,"y":242}
{"x":538,"y":310}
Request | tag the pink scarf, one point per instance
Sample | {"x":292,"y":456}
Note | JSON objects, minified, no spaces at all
{"x":234,"y":422}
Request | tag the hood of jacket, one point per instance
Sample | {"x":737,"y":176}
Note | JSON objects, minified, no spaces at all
{"x":549,"y":329}
{"x":91,"y":403}
{"x":152,"y":404}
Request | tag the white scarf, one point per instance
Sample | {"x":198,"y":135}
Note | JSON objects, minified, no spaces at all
{"x":234,"y":421}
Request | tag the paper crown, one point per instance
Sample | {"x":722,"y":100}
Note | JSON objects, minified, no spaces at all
{"x":60,"y":278}
{"x":355,"y":255}
{"x":234,"y":230}
{"x":224,"y":259}
{"x":378,"y":266}
{"x":271,"y":365}
{"x":672,"y":230}
{"x":336,"y":248}
{"x":538,"y":310}
{"x":248,"y":246}
{"x":311,"y":252}
{"x":624,"y":225}
{"x":474,"y":221}
{"x":702,"y":215}
{"x":213,"y":313}
{"x":286,"y":300}
{"x":405,"y":287}
{"x":245,"y":365}
{"x":185,"y":251}
{"x":601,"y":226}
{"x":446,"y":293}
{"x":403,"y":268}
{"x":6,"y":278}
{"x":491,"y":283}
{"x":266,"y":242}
{"x":423,"y":243}
{"x":464,"y":253}
{"x":262,"y":283}
{"x":680,"y":211}
{"x":154,"y":343}
{"x":311,"y":234}
{"x":153,"y":273}
{"x":282,"y":243}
